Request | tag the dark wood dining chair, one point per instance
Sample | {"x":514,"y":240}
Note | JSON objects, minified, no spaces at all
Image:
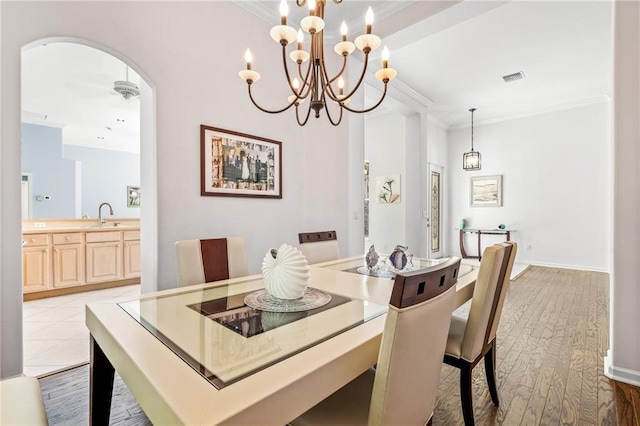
{"x":402,"y":389}
{"x":208,"y":260}
{"x":473,"y":338}
{"x":319,"y":247}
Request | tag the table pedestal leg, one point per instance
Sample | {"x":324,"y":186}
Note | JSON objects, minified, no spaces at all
{"x":101,"y":376}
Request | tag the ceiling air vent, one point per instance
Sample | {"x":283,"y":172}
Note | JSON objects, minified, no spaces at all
{"x":513,"y":77}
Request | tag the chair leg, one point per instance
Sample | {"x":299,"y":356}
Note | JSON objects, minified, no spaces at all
{"x":465,"y":394}
{"x":490,"y":370}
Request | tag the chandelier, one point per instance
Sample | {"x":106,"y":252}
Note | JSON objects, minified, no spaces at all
{"x":471,"y":159}
{"x":313,"y":81}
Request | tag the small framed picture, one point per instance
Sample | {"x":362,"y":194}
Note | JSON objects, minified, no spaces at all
{"x":239,"y":165}
{"x":388,"y":189}
{"x":133,"y":196}
{"x":486,"y":191}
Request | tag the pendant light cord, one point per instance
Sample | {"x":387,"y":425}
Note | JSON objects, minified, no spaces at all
{"x":472,"y":110}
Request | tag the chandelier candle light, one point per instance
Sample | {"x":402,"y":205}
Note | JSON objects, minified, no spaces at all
{"x":471,"y":159}
{"x":314,"y":82}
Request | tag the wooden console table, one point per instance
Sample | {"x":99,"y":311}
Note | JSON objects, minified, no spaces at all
{"x":480,"y":232}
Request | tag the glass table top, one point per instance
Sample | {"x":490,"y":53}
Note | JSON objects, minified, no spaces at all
{"x":385,"y":270}
{"x":224,"y":340}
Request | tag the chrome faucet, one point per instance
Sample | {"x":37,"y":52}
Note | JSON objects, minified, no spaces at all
{"x":102,"y":221}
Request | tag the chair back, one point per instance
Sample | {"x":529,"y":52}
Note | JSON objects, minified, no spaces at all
{"x":489,"y":293}
{"x":319,"y":247}
{"x":503,"y":288}
{"x":413,"y":344}
{"x":203,"y":261}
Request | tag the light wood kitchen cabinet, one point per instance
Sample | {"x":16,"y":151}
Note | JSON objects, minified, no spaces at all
{"x":68,"y":260}
{"x":131,"y":254}
{"x":36,"y":263}
{"x":104,"y":256}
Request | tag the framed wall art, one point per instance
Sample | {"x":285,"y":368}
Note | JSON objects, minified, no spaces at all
{"x":388,"y":189}
{"x":486,"y":191}
{"x":133,"y":196}
{"x":234,"y":164}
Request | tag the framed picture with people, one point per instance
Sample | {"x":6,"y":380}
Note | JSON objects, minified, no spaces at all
{"x":234,"y":164}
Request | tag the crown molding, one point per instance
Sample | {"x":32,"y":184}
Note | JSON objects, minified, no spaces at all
{"x":533,"y":112}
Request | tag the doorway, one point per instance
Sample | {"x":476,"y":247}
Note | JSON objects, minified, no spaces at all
{"x":104,"y":138}
{"x":434,"y":209}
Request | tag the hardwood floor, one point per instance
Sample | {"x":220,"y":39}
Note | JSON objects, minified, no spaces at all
{"x":552,"y":338}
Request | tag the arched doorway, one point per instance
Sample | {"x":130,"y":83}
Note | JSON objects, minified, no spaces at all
{"x":111,"y":120}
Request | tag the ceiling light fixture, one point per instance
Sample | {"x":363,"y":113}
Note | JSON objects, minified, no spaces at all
{"x":471,"y":160}
{"x":126,"y":88}
{"x":314,"y":82}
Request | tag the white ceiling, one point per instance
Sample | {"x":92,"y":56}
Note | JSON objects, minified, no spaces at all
{"x":452,"y":54}
{"x":70,"y":86}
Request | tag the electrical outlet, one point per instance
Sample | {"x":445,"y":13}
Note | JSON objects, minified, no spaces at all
{"x":528,"y":246}
{"x":39,"y":225}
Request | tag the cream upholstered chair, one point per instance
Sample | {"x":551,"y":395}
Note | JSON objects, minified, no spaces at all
{"x":21,"y":402}
{"x":215,"y":259}
{"x":319,"y":247}
{"x":473,"y":338}
{"x":402,"y":389}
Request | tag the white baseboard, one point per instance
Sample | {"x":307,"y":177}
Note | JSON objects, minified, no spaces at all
{"x":624,"y":375}
{"x":565,"y":266}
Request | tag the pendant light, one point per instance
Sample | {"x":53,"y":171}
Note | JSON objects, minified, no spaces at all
{"x":471,"y":160}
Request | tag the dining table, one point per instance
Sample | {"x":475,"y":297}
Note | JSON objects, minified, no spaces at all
{"x":199,"y":355}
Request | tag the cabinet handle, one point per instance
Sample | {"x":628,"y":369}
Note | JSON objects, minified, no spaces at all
{"x":68,"y":238}
{"x":33,"y":240}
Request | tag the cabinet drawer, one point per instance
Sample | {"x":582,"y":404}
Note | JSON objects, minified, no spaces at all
{"x":73,"y":238}
{"x":131,"y":235}
{"x":36,"y":240}
{"x":99,"y":237}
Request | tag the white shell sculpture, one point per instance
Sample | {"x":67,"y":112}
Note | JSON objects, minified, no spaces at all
{"x":285,"y":272}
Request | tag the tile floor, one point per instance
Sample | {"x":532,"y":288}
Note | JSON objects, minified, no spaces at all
{"x":55,"y":335}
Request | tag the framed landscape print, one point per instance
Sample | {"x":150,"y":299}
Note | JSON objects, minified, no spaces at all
{"x":234,"y":164}
{"x":486,"y":191}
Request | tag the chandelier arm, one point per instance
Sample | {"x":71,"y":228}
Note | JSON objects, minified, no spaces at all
{"x":305,"y":81}
{"x":384,"y":93}
{"x":286,"y":71}
{"x":330,"y":91}
{"x":364,"y":71}
{"x":334,"y":123}
{"x":266,"y":110}
{"x":306,"y":118}
{"x":301,"y":3}
{"x":331,"y":94}
{"x":339,"y":74}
